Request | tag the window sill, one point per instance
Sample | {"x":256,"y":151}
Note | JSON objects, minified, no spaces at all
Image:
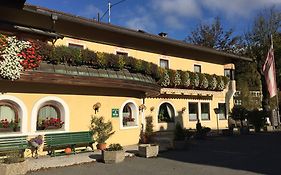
{"x":11,"y":134}
{"x":129,"y":127}
{"x":165,"y":122}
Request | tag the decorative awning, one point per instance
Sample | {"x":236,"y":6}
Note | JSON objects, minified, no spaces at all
{"x":189,"y":94}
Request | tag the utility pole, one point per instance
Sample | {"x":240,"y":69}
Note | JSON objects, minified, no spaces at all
{"x":109,"y":11}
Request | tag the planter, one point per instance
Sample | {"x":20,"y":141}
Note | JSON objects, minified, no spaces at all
{"x":113,"y":156}
{"x":148,"y":150}
{"x":6,"y":129}
{"x":130,"y":124}
{"x":180,"y":144}
{"x":101,"y":146}
{"x":14,"y":168}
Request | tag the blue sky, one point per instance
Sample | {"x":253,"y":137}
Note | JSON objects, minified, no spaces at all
{"x":175,"y":17}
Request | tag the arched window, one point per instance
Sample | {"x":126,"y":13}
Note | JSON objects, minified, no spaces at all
{"x":49,"y":117}
{"x":129,"y":115}
{"x":9,"y":117}
{"x":166,"y":113}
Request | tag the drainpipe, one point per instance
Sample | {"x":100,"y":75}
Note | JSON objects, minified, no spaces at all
{"x":142,"y":116}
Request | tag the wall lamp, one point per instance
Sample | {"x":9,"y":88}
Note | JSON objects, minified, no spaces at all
{"x":96,"y":107}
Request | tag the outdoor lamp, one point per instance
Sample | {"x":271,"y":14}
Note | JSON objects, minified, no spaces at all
{"x":142,"y":107}
{"x":217,"y":112}
{"x":183,"y":109}
{"x":96,"y":107}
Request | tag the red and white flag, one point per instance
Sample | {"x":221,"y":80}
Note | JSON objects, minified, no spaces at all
{"x":269,"y":73}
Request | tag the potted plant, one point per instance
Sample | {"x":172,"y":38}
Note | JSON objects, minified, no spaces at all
{"x":146,"y":149}
{"x":113,"y":154}
{"x":101,"y":131}
{"x":179,"y":137}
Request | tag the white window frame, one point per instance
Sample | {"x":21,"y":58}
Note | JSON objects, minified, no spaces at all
{"x":197,"y":65}
{"x":199,"y":110}
{"x":200,"y":115}
{"x":175,"y":111}
{"x":162,"y":59}
{"x":64,"y":111}
{"x":22,"y":114}
{"x":123,"y":50}
{"x":226,"y":112}
{"x":80,"y":44}
{"x":135,"y":111}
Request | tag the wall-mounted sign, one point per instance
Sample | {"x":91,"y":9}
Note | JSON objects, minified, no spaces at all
{"x":115,"y":113}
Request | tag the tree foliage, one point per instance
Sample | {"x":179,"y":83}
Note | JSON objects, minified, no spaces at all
{"x":257,"y":44}
{"x":214,"y":36}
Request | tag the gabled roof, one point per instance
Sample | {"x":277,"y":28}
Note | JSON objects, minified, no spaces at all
{"x":91,"y":30}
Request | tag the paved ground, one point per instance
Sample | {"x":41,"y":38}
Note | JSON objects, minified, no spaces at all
{"x":251,"y":154}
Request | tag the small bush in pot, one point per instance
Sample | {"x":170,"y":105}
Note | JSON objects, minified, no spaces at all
{"x":101,"y":131}
{"x":113,"y":154}
{"x":179,"y":137}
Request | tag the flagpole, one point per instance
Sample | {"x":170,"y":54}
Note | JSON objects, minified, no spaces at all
{"x":277,"y":98}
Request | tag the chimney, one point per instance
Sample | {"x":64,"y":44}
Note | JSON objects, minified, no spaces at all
{"x":162,"y":34}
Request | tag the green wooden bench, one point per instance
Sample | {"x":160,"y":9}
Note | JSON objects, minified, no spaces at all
{"x":12,"y":144}
{"x":53,"y":142}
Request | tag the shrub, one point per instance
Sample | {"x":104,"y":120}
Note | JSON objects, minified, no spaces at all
{"x":64,"y":54}
{"x":101,"y":130}
{"x":44,"y":49}
{"x":177,"y":80}
{"x":121,"y":62}
{"x":101,"y":60}
{"x":179,"y":132}
{"x":89,"y":57}
{"x":165,"y":80}
{"x":148,"y":126}
{"x":194,"y":80}
{"x":155,"y":71}
{"x":14,"y":157}
{"x":203,"y":81}
{"x":185,"y":79}
{"x":225,"y":80}
{"x":147,"y":68}
{"x":220,"y":85}
{"x":212,"y":82}
{"x":114,"y":147}
{"x":257,"y":118}
{"x":172,"y":76}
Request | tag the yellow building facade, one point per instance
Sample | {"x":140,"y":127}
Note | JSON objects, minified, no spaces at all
{"x":74,"y":98}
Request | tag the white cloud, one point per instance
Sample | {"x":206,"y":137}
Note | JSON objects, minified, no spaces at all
{"x":145,"y":23}
{"x":90,"y":11}
{"x":234,"y":8}
{"x":179,"y":8}
{"x":174,"y":22}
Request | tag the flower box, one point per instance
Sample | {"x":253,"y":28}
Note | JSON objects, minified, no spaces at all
{"x":130,"y":124}
{"x":148,"y":150}
{"x":52,"y":123}
{"x":113,"y":156}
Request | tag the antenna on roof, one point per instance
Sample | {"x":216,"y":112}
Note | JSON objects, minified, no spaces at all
{"x":109,"y":10}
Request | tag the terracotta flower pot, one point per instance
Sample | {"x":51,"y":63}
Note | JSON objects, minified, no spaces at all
{"x":101,"y":146}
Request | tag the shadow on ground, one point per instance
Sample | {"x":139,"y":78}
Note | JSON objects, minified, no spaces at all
{"x":259,"y":153}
